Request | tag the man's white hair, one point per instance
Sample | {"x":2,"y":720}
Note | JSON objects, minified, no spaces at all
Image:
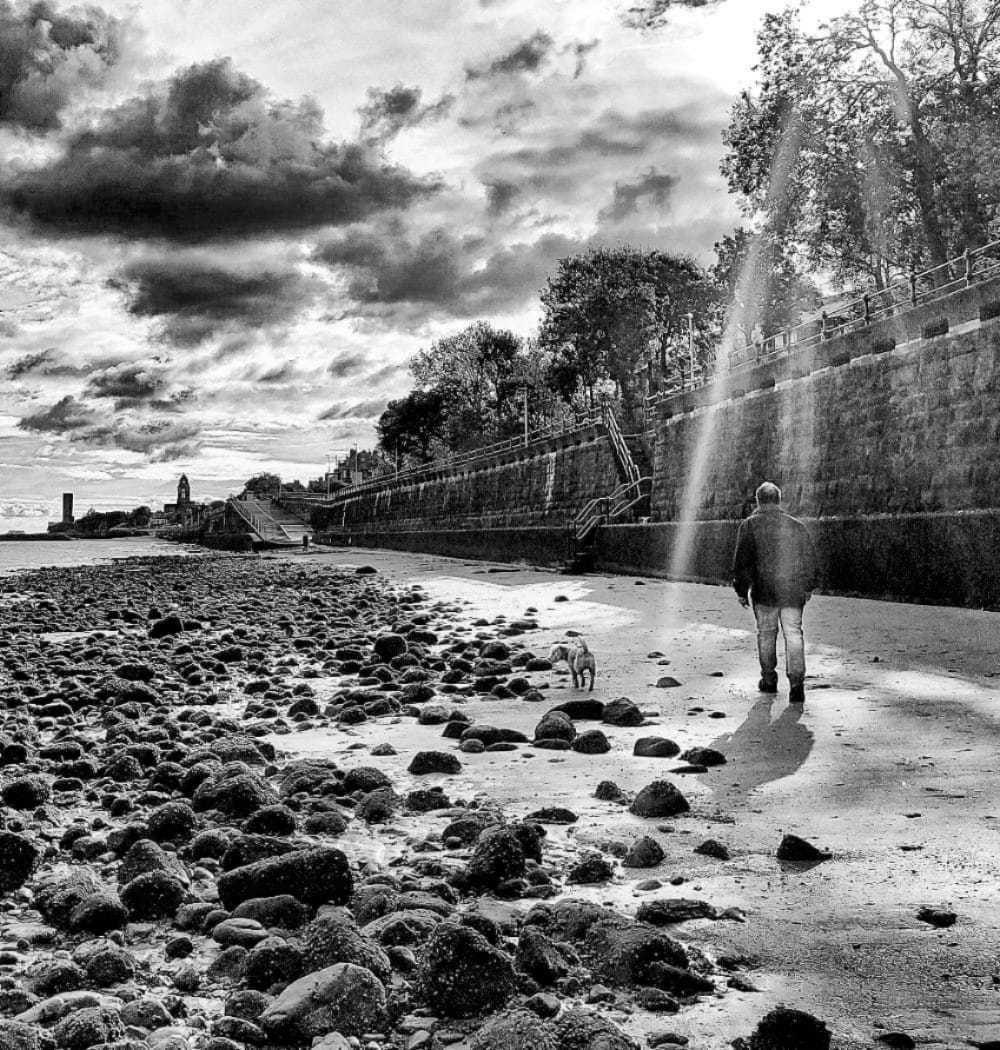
{"x":768,"y":492}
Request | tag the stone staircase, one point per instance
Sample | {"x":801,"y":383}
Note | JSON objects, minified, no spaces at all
{"x":272,"y":525}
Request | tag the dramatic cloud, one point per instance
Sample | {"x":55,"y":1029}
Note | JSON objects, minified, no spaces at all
{"x":388,"y":112}
{"x":64,"y":416}
{"x":209,"y":154}
{"x":46,"y":58}
{"x":359,"y":410}
{"x":346,"y":365}
{"x":527,"y":57}
{"x":654,"y":13}
{"x":457,"y":276}
{"x":654,"y":187}
{"x":500,"y":195}
{"x":23,"y":509}
{"x":158,"y":439}
{"x":129,"y":383}
{"x":28,"y":363}
{"x":197,"y":295}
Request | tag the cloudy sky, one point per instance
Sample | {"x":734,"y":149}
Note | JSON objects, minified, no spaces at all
{"x":227,"y":224}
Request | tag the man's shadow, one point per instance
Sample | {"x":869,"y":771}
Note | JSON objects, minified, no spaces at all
{"x":760,"y":750}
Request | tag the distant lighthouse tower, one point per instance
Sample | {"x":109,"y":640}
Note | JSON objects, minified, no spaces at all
{"x":183,"y":492}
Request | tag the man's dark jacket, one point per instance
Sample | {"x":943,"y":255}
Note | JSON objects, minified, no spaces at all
{"x":775,"y":560}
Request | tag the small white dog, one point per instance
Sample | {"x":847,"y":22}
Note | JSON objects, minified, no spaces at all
{"x":580,"y":660}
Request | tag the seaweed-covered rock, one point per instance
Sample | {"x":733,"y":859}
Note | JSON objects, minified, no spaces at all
{"x":173,"y":821}
{"x":555,"y":725}
{"x":580,"y":1029}
{"x":273,"y":961}
{"x":461,"y":974}
{"x":434,"y":762}
{"x":281,"y":910}
{"x":643,"y":853}
{"x":343,"y":998}
{"x":60,"y":892}
{"x":624,"y":952}
{"x":659,"y":799}
{"x":313,"y":876}
{"x":784,"y":1029}
{"x":655,"y":747}
{"x":18,"y":859}
{"x":237,"y":794}
{"x":622,"y":712}
{"x":26,"y":792}
{"x":540,"y":957}
{"x":153,"y":895}
{"x":517,"y":1030}
{"x":334,"y":938}
{"x":498,"y":856}
{"x":88,"y":1027}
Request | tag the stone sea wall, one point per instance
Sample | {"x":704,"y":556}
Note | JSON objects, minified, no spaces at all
{"x":542,"y":485}
{"x":885,"y":440}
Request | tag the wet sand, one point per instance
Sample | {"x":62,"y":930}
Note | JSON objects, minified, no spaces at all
{"x":890,"y":766}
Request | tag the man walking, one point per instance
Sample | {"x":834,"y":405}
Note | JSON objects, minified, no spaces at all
{"x":775,"y":568}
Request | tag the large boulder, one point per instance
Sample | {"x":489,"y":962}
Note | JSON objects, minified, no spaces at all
{"x":517,"y":1030}
{"x":85,"y":1028}
{"x":153,"y":895}
{"x":313,"y":876}
{"x":498,"y":856}
{"x":580,"y":1029}
{"x":461,"y":974}
{"x":625,"y":952}
{"x":234,"y":793}
{"x":18,"y":859}
{"x":659,"y":799}
{"x":555,"y":725}
{"x":16,"y":1035}
{"x":622,"y":712}
{"x":540,"y":957}
{"x":784,"y":1029}
{"x":334,"y":938}
{"x":61,"y":891}
{"x":342,"y":998}
{"x":434,"y":762}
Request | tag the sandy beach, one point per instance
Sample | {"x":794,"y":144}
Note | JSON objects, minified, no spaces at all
{"x":889,"y":768}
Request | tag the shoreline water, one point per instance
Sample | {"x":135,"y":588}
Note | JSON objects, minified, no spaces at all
{"x":18,"y":554}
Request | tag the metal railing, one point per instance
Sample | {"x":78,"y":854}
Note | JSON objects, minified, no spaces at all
{"x":619,"y":444}
{"x":266,"y":527}
{"x":603,"y":509}
{"x":457,"y":459}
{"x":900,"y":296}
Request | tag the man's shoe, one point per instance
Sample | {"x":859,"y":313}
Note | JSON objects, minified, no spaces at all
{"x":766,"y":685}
{"x":797,"y":694}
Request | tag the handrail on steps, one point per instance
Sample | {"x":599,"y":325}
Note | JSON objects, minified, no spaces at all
{"x":607,"y":508}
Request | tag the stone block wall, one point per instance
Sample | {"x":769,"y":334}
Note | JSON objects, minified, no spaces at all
{"x":544,"y":485}
{"x":882,"y":421}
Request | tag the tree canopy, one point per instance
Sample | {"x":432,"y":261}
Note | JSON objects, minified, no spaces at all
{"x":607,"y":309}
{"x":870,"y":146}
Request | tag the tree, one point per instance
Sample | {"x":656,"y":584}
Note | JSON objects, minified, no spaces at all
{"x":759,"y":286}
{"x":477,"y":373}
{"x":870,"y":146}
{"x":263,"y":486}
{"x":606,"y":310}
{"x":412,"y":426}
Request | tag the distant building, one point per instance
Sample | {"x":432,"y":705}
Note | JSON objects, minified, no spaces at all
{"x":356,"y":466}
{"x":67,"y":508}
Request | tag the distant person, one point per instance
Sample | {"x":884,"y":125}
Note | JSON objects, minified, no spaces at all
{"x":774,"y":567}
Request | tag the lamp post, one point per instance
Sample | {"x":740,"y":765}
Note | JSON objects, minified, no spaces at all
{"x":690,"y":318}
